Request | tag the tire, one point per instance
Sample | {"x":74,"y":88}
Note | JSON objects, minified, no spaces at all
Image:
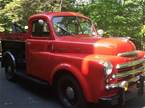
{"x":122,"y":99}
{"x":70,"y":93}
{"x":10,"y":71}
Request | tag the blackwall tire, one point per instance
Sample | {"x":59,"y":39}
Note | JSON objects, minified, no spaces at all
{"x":9,"y":71}
{"x":122,"y":99}
{"x":70,"y":93}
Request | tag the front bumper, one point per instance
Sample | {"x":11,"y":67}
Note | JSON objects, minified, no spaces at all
{"x":125,"y":84}
{"x":136,"y":69}
{"x":130,"y":82}
{"x":123,"y":95}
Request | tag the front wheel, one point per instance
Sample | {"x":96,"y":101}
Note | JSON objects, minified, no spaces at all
{"x":70,"y":93}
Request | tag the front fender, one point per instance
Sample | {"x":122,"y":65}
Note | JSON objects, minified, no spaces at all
{"x":77,"y":74}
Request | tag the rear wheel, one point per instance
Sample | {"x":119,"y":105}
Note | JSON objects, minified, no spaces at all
{"x":70,"y":93}
{"x":9,"y":71}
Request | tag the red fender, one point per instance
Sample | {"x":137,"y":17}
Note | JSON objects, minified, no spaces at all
{"x":77,"y":74}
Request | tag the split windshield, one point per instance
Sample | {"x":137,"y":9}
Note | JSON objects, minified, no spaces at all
{"x":72,"y":25}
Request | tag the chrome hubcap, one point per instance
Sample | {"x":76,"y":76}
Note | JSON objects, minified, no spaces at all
{"x":70,"y":93}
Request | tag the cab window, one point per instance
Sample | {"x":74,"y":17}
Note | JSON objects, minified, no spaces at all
{"x":40,"y":28}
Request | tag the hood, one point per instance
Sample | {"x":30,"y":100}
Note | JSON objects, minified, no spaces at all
{"x":97,"y":45}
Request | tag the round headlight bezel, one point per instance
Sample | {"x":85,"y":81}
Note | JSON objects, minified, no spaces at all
{"x":108,"y":67}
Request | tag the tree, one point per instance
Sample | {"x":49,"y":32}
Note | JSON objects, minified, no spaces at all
{"x":3,"y":3}
{"x":20,"y":10}
{"x":9,"y":15}
{"x":116,"y":17}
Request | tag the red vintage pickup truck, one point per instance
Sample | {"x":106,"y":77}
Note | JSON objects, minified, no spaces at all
{"x":62,"y":49}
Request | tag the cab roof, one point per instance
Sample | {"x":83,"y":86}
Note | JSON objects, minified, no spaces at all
{"x":52,"y":14}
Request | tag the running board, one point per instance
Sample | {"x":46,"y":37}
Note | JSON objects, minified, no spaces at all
{"x":30,"y":78}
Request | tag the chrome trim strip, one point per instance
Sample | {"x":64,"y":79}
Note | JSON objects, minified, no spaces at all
{"x":128,"y":73}
{"x":127,"y":54}
{"x":129,"y":64}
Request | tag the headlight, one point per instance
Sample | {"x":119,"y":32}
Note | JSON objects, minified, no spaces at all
{"x":108,"y":67}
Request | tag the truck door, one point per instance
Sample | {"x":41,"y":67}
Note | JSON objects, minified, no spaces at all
{"x":39,"y":50}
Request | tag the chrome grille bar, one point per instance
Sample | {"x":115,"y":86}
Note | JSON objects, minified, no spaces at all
{"x":130,"y":64}
{"x":128,"y":54}
{"x":131,"y":72}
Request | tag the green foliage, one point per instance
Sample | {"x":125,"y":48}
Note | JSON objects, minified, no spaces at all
{"x":116,"y":18}
{"x":68,"y":5}
{"x":143,"y":30}
{"x":3,"y":3}
{"x":30,"y":7}
{"x":9,"y":15}
{"x":20,"y":10}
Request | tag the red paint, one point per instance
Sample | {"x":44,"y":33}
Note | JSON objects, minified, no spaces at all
{"x":80,"y":55}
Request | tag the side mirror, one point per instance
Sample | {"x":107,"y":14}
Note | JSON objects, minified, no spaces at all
{"x":26,"y":27}
{"x":100,"y":32}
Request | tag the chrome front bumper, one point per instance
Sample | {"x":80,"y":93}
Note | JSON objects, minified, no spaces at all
{"x":136,"y":73}
{"x":124,"y":84}
{"x":124,"y":90}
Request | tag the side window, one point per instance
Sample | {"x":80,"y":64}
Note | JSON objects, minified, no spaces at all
{"x":40,"y":28}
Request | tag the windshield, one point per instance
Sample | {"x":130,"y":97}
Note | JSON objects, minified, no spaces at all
{"x":72,"y":25}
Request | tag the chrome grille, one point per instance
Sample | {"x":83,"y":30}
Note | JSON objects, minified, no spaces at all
{"x":130,"y":69}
